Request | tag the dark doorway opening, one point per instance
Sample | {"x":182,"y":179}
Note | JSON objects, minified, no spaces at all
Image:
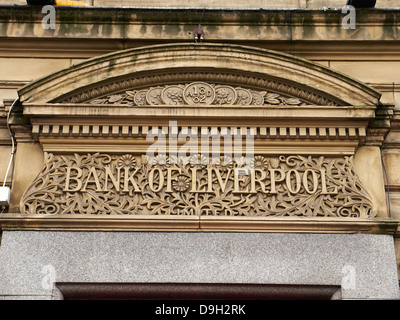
{"x":195,"y":291}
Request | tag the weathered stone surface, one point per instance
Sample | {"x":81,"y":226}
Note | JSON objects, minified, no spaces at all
{"x":166,"y":24}
{"x":29,"y":69}
{"x":369,"y":166}
{"x":28,"y":161}
{"x":222,"y":3}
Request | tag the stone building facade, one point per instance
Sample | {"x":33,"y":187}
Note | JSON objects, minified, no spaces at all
{"x":261,"y":161}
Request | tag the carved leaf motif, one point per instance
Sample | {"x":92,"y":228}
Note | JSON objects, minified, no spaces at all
{"x":116,"y":98}
{"x":271,"y":98}
{"x":131,"y":93}
{"x":293,"y":101}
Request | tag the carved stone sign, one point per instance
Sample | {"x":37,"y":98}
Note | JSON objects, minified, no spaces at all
{"x":128,"y":184}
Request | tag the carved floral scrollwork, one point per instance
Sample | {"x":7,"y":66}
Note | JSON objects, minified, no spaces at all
{"x":197,"y":93}
{"x":134,"y":185}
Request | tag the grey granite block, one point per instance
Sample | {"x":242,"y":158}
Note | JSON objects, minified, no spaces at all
{"x":364,"y":265}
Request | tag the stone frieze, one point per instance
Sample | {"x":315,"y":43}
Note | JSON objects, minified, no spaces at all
{"x":197,"y":93}
{"x":127,"y":184}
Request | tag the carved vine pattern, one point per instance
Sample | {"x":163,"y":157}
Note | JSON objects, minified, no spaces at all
{"x":46,"y":194}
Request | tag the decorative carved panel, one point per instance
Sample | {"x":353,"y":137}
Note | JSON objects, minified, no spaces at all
{"x":126,"y":184}
{"x":249,"y":89}
{"x":197,"y":93}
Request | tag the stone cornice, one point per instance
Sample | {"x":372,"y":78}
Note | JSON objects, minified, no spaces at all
{"x":179,"y":23}
{"x":204,"y":111}
{"x":198,"y":224}
{"x":335,"y":130}
{"x":125,"y":14}
{"x":79,"y":48}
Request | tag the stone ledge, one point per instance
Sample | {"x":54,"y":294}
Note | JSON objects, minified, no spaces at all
{"x":199,"y":224}
{"x":179,"y":23}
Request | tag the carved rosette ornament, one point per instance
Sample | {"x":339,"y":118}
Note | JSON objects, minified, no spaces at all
{"x":197,"y":93}
{"x":111,"y":184}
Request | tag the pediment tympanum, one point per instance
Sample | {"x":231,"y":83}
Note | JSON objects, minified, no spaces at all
{"x":196,"y":94}
{"x":299,"y":125}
